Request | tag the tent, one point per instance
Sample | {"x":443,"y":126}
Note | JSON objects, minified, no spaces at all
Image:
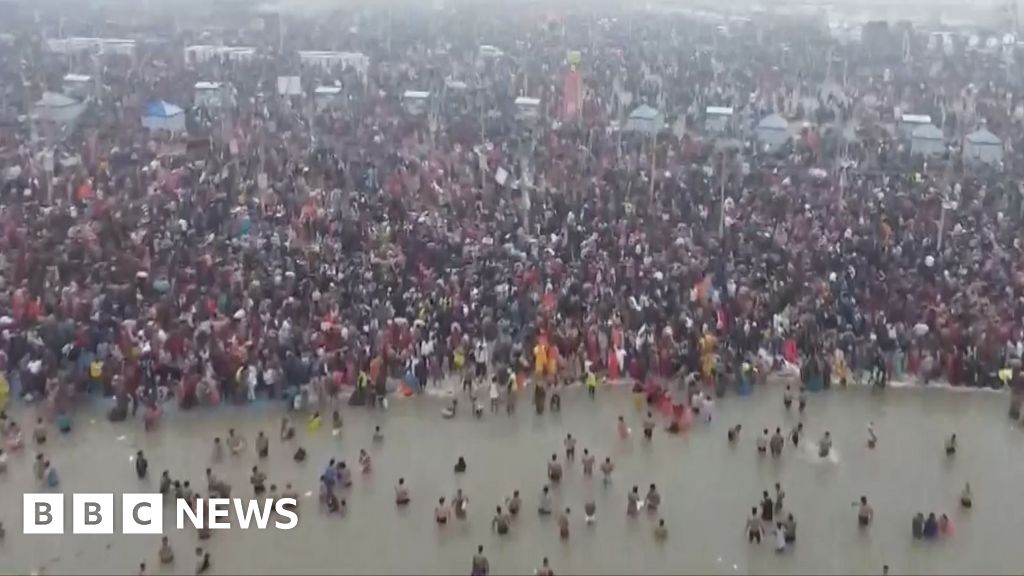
{"x":718,"y":118}
{"x":983,"y":146}
{"x":773,"y":131}
{"x":208,"y":94}
{"x":645,"y":119}
{"x":164,"y":116}
{"x":55,"y":107}
{"x":326,"y":96}
{"x":927,"y":140}
{"x":416,"y":101}
{"x":527,"y":108}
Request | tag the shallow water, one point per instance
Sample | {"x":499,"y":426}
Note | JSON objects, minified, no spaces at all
{"x":707,"y":486}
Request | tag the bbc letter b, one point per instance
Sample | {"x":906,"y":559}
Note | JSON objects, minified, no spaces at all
{"x":92,"y":514}
{"x":43,"y":513}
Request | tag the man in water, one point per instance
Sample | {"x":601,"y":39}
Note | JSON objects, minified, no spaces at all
{"x":141,"y":465}
{"x":570,"y":447}
{"x":606,"y":470}
{"x":545,"y":568}
{"x":825,"y":445}
{"x":652,"y":500}
{"x":481,"y":566}
{"x":649,"y":427}
{"x":767,"y":509}
{"x":460,"y":503}
{"x":401,"y":493}
{"x":500,"y":523}
{"x":787,"y":398}
{"x":563,"y":525}
{"x":262,"y":445}
{"x":865,"y":514}
{"x":554,"y":469}
{"x":762,"y":443}
{"x":754,"y":528}
{"x":514,"y":503}
{"x":802,"y":400}
{"x":588,"y":463}
{"x":734,"y":433}
{"x":776,"y":443}
{"x":796,"y":433}
{"x":544,"y":507}
{"x":660,"y":531}
{"x":633,"y":501}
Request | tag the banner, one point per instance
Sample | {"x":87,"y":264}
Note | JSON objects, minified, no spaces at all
{"x":572,"y":95}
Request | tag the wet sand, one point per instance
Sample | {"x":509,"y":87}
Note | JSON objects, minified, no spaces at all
{"x":707,"y":486}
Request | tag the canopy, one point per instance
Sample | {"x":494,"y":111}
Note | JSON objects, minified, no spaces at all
{"x":162,"y":115}
{"x":983,"y":136}
{"x":773,"y":122}
{"x":55,"y":107}
{"x":644,"y":119}
{"x":927,"y":132}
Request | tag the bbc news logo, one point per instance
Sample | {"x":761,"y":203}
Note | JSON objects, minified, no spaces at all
{"x":144,"y":513}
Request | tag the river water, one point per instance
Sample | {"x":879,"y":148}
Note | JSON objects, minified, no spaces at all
{"x":707,"y":486}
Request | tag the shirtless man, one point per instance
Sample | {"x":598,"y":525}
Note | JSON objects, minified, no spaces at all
{"x":606,"y":470}
{"x":588,"y":463}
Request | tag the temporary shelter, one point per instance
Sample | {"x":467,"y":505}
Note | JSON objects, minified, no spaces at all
{"x":208,"y":94}
{"x":983,"y":146}
{"x":718,"y":119}
{"x":773,"y":131}
{"x":645,"y":119}
{"x":58,"y":108}
{"x":927,"y":140}
{"x":911,"y":122}
{"x":416,"y":101}
{"x":164,"y":116}
{"x":77,"y":85}
{"x":527,"y":108}
{"x":326,"y":96}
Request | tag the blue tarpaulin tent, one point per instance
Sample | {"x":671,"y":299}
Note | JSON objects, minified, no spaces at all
{"x":162,"y":115}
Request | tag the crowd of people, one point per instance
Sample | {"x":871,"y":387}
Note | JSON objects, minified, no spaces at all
{"x":281,"y":248}
{"x":298,"y":252}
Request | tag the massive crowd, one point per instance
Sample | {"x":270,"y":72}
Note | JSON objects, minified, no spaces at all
{"x":285,"y":249}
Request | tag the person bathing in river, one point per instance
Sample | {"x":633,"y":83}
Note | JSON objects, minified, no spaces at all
{"x":966,"y":497}
{"x":825,"y":445}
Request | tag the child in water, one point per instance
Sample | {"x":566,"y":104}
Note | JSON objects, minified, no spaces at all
{"x":624,"y":431}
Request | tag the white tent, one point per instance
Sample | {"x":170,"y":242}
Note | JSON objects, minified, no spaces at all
{"x":208,"y":94}
{"x":773,"y":131}
{"x":416,"y":101}
{"x":326,"y":96}
{"x":927,"y":140}
{"x":527,"y":107}
{"x":718,"y":118}
{"x":289,"y":86}
{"x":54,"y":107}
{"x":911,"y":122}
{"x":983,"y":146}
{"x":77,"y":85}
{"x":164,"y":116}
{"x":645,"y":119}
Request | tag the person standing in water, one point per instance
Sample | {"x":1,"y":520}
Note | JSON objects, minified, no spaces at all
{"x":652,"y":500}
{"x":141,"y":465}
{"x":570,"y":447}
{"x":802,"y":400}
{"x":754,"y":527}
{"x":660,"y":531}
{"x":588,"y":463}
{"x":563,"y":525}
{"x":951,"y":445}
{"x":262,"y":445}
{"x":633,"y":501}
{"x":401,"y":493}
{"x":787,"y":398}
{"x":825,"y":445}
{"x":872,"y":438}
{"x":865,"y":513}
{"x":649,"y":427}
{"x":545,"y":568}
{"x":966,"y":497}
{"x":796,"y":433}
{"x":776,"y":443}
{"x":481,"y":566}
{"x":514,"y":503}
{"x":500,"y":523}
{"x":762,"y":443}
{"x":554,"y":469}
{"x":780,"y":495}
{"x":606,"y":470}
